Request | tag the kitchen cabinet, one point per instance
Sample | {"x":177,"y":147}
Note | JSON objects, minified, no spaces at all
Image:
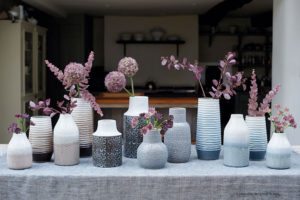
{"x":22,"y":69}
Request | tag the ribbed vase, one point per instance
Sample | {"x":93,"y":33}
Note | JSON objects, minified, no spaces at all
{"x":83,"y":117}
{"x":208,"y":135}
{"x":258,"y":137}
{"x":178,"y":138}
{"x":132,"y":136}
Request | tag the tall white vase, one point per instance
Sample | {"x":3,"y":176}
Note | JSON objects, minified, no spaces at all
{"x":19,"y":152}
{"x":236,"y":142}
{"x":258,"y":137}
{"x":279,"y":152}
{"x":66,"y":141}
{"x":41,"y":138}
{"x":178,"y":138}
{"x":107,"y":144}
{"x":208,"y":135}
{"x":83,"y":117}
{"x":132,"y":136}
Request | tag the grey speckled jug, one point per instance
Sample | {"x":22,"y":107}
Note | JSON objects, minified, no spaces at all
{"x":178,"y":138}
{"x":152,"y":153}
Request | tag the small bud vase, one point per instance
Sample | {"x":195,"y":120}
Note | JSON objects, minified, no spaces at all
{"x":178,"y":138}
{"x":19,"y":152}
{"x":236,"y":142}
{"x":258,"y":137}
{"x":208,"y":135}
{"x":152,"y":153}
{"x":41,"y":138}
{"x":279,"y":152}
{"x":132,"y":136}
{"x":66,"y":141}
{"x":107,"y":144}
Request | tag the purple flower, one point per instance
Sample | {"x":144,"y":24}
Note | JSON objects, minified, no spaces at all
{"x":282,"y":120}
{"x":75,"y":74}
{"x":13,"y":128}
{"x":115,"y":81}
{"x":128,"y":66}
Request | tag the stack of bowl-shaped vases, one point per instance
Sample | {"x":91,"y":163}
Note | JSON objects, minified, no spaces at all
{"x":41,"y":138}
{"x":83,"y":117}
{"x":208,"y":136}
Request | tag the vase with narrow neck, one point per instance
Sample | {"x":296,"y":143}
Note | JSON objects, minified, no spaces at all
{"x":236,"y":142}
{"x":208,"y":133}
{"x":279,"y":152}
{"x":83,"y":117}
{"x":132,"y":136}
{"x":178,"y":138}
{"x":66,"y":141}
{"x":19,"y":152}
{"x":258,"y":137}
{"x":152,"y":153}
{"x":107,"y":144}
{"x":41,"y":138}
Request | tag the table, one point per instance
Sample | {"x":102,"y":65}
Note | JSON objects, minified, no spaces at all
{"x":194,"y":180}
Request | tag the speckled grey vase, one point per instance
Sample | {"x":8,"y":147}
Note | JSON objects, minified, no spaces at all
{"x":236,"y":142}
{"x":279,"y":152}
{"x":107,"y":145}
{"x":178,"y":138}
{"x":132,"y":136}
{"x":152,"y":153}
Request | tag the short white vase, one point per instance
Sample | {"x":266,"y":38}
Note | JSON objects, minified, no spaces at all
{"x":19,"y":152}
{"x":279,"y":152}
{"x":66,"y":141}
{"x":236,"y":142}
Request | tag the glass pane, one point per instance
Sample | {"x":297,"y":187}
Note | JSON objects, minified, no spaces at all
{"x":40,"y":62}
{"x":28,"y":63}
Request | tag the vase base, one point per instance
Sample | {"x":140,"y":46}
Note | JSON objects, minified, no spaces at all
{"x":42,"y":157}
{"x":257,"y":155}
{"x":208,"y":155}
{"x":85,"y":152}
{"x":278,"y":168}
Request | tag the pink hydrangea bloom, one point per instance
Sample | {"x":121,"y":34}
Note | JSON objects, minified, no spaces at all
{"x":128,"y":66}
{"x":115,"y":81}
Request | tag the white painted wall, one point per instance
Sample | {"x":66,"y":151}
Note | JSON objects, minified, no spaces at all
{"x":148,"y":56}
{"x":286,"y":65}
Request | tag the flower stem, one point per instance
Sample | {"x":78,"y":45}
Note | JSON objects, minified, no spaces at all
{"x":128,"y":92}
{"x":202,"y":88}
{"x":132,"y":86}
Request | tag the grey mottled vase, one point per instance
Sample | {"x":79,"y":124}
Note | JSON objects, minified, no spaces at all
{"x":132,"y":138}
{"x":107,"y":151}
{"x":152,"y":153}
{"x":178,"y":138}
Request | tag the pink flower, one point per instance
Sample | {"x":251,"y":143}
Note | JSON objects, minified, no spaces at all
{"x":128,"y":66}
{"x":134,"y":122}
{"x":115,"y":81}
{"x":74,"y":74}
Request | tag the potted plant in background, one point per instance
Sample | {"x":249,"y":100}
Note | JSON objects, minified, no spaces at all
{"x":66,"y":132}
{"x":256,"y":120}
{"x":208,"y":136}
{"x":152,"y":153}
{"x":279,"y":149}
{"x":76,"y":75}
{"x":41,"y":134}
{"x":19,"y":150}
{"x":115,"y":81}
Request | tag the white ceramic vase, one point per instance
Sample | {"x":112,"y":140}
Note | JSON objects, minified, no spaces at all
{"x":208,"y":135}
{"x":279,"y":152}
{"x":41,"y":138}
{"x":66,"y":141}
{"x":83,"y":117}
{"x":258,"y":137}
{"x":152,"y":153}
{"x":107,"y":144}
{"x":178,"y":138}
{"x":132,"y":136}
{"x":236,"y":142}
{"x":19,"y":152}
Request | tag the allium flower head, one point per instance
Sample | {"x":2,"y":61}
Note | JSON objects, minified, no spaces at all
{"x":128,"y":66}
{"x":115,"y":81}
{"x":74,"y":74}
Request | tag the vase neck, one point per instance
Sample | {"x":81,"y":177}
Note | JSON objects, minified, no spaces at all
{"x":107,"y":127}
{"x":137,"y":105}
{"x":153,"y":136}
{"x":19,"y":136}
{"x":179,"y":114}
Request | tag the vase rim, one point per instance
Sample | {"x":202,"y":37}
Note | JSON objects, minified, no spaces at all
{"x":237,"y":115}
{"x":255,"y":116}
{"x":40,"y":117}
{"x":139,"y":97}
